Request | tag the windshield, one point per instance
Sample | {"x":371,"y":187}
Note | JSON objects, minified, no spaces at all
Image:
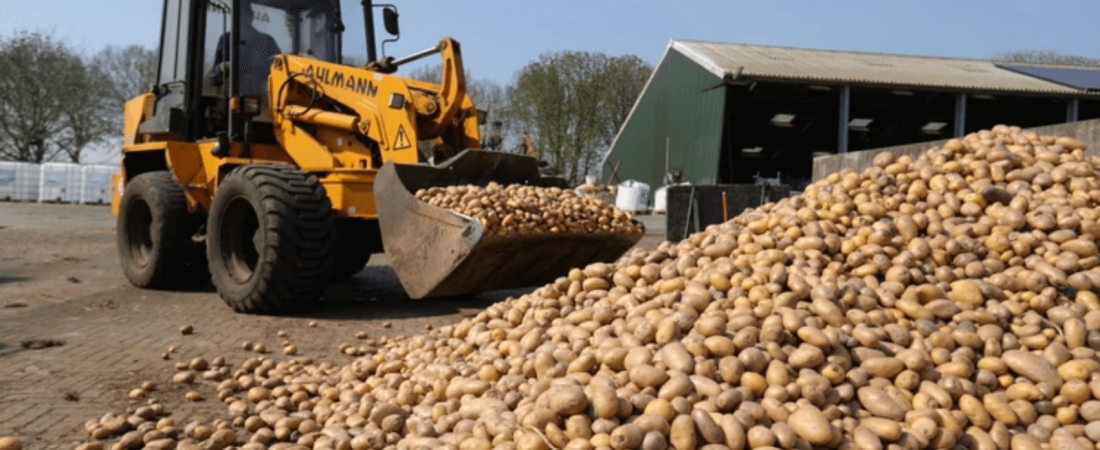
{"x":309,"y":28}
{"x":269,"y":28}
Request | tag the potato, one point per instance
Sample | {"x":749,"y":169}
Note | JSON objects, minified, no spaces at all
{"x":812,"y":426}
{"x":936,"y":301}
{"x":518,"y":209}
{"x":682,"y":433}
{"x":568,"y":400}
{"x":628,"y":436}
{"x":654,"y":441}
{"x":648,"y":376}
{"x":602,"y":397}
{"x":1032,"y":366}
{"x":877,"y":402}
{"x":183,"y":378}
{"x":10,"y":443}
{"x":883,"y":367}
{"x":707,"y":427}
{"x":1078,"y":369}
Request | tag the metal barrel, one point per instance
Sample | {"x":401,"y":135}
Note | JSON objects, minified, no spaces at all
{"x":437,"y":252}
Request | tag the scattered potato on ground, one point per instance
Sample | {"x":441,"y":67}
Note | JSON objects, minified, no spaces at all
{"x":10,"y":443}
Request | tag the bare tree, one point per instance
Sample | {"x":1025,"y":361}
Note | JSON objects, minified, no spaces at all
{"x":42,"y":77}
{"x":90,"y":116}
{"x":1045,"y":56}
{"x":56,"y":104}
{"x":132,"y":71}
{"x":432,"y":73}
{"x":113,"y":76}
{"x":354,"y":60}
{"x":485,"y":93}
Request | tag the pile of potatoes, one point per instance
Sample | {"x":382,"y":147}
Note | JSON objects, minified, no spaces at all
{"x":525,"y":210}
{"x":940,"y":303}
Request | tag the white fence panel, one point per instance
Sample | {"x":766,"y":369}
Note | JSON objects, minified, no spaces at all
{"x":95,"y":184}
{"x":59,"y":182}
{"x":19,"y":181}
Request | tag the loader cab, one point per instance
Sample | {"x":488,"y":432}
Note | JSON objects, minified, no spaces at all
{"x":213,"y":51}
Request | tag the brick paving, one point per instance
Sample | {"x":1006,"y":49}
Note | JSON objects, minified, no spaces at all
{"x":107,"y":352}
{"x":114,"y":334}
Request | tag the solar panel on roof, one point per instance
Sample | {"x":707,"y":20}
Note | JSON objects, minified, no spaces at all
{"x":1079,"y":77}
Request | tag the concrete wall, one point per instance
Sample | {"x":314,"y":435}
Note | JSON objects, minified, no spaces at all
{"x":1087,"y":131}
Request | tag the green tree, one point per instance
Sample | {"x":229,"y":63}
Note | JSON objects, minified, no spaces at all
{"x":572,"y":103}
{"x":621,"y":82}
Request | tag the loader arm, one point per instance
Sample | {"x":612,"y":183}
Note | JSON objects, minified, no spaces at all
{"x":331,"y":117}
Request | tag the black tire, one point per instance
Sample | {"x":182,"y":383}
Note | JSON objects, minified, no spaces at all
{"x":154,"y":235}
{"x":356,"y":241}
{"x":271,"y":239}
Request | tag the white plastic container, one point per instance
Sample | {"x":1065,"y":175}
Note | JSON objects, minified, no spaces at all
{"x":95,"y":184}
{"x":660,"y":200}
{"x":633,"y":196}
{"x":59,"y":182}
{"x":19,"y":181}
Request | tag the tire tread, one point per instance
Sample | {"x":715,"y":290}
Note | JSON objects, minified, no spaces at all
{"x":299,"y":228}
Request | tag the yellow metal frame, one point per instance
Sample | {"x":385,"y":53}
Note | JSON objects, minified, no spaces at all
{"x":326,"y":116}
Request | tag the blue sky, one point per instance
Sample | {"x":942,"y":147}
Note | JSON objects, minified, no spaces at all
{"x":500,"y":36}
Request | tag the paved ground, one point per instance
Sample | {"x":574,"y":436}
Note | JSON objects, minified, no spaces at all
{"x":60,"y":281}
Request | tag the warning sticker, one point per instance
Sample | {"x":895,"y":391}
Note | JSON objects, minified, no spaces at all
{"x":402,"y":141}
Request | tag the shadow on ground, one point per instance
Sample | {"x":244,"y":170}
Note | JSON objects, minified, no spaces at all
{"x":7,"y":349}
{"x":7,"y":279}
{"x":376,"y":293}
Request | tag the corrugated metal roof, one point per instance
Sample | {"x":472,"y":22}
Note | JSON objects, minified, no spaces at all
{"x":829,"y":66}
{"x":1079,"y":77}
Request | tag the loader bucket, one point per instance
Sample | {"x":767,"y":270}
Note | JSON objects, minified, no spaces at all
{"x":436,"y":252}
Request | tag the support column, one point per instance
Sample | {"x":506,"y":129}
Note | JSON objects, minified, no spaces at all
{"x":960,"y":115}
{"x":845,"y":107}
{"x":1071,"y":110}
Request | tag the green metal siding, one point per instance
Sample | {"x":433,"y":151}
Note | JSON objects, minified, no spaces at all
{"x":674,"y":105}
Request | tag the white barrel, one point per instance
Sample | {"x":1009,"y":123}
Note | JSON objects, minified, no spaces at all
{"x":633,"y":196}
{"x":95,"y":183}
{"x":660,"y":200}
{"x":627,"y":200}
{"x":59,"y":182}
{"x":591,"y":179}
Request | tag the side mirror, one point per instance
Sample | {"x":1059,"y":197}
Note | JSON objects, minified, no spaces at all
{"x":389,"y":19}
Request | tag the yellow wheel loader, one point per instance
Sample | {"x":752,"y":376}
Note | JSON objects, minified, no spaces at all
{"x":261,"y":162}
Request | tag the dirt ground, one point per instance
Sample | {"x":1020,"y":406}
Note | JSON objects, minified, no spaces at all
{"x":60,"y":284}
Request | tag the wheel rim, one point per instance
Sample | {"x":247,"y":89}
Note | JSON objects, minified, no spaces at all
{"x":240,"y":238}
{"x":139,"y":229}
